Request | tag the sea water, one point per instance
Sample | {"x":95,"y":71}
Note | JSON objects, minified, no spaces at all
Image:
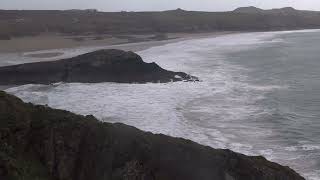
{"x":259,"y":95}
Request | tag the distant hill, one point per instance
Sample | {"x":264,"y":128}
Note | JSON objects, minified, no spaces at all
{"x":23,"y":23}
{"x":281,"y":11}
{"x":250,"y":9}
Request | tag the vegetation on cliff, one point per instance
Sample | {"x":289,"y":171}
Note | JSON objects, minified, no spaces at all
{"x":40,"y":143}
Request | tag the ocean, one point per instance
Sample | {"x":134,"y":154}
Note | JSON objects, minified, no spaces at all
{"x":259,"y":95}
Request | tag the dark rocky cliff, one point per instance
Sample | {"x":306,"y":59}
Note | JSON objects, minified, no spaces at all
{"x":41,"y":143}
{"x":99,"y":66}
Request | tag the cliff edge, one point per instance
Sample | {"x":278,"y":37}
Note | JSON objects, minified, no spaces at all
{"x":41,"y":143}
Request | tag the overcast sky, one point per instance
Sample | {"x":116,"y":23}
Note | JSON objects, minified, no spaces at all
{"x":151,"y":5}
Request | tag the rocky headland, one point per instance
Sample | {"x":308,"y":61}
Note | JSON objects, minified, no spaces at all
{"x":95,"y":67}
{"x":41,"y":143}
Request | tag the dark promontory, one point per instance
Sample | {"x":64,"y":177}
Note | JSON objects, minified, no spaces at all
{"x":99,"y":66}
{"x":41,"y":143}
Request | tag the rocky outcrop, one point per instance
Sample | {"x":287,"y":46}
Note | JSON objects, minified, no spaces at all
{"x":38,"y":142}
{"x":99,"y":66}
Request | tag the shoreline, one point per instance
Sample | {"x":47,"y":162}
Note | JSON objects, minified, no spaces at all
{"x":49,"y":42}
{"x":22,"y":56}
{"x":41,"y":55}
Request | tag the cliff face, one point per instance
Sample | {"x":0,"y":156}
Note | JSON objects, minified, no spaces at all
{"x":38,"y":142}
{"x":99,"y":66}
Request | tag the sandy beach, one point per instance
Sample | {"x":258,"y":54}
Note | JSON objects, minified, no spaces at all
{"x":49,"y":47}
{"x":128,"y":42}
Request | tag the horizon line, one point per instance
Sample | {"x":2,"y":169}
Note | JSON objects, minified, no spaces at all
{"x":87,"y":9}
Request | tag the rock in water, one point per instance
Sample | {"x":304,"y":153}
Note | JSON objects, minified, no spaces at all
{"x":99,"y":66}
{"x":38,"y":142}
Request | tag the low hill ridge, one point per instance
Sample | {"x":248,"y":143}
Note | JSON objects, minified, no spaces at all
{"x":16,"y":23}
{"x":249,"y":9}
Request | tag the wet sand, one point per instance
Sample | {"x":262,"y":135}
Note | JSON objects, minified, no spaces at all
{"x":56,"y":50}
{"x":125,"y":42}
{"x":45,"y":55}
{"x":45,"y":42}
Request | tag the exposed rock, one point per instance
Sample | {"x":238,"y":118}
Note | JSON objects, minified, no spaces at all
{"x":99,"y":66}
{"x":38,"y":142}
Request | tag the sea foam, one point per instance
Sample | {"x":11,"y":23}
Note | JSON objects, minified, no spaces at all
{"x":220,"y":111}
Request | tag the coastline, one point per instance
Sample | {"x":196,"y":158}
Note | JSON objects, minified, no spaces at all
{"x":126,"y":42}
{"x":57,"y":50}
{"x":172,"y":47}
